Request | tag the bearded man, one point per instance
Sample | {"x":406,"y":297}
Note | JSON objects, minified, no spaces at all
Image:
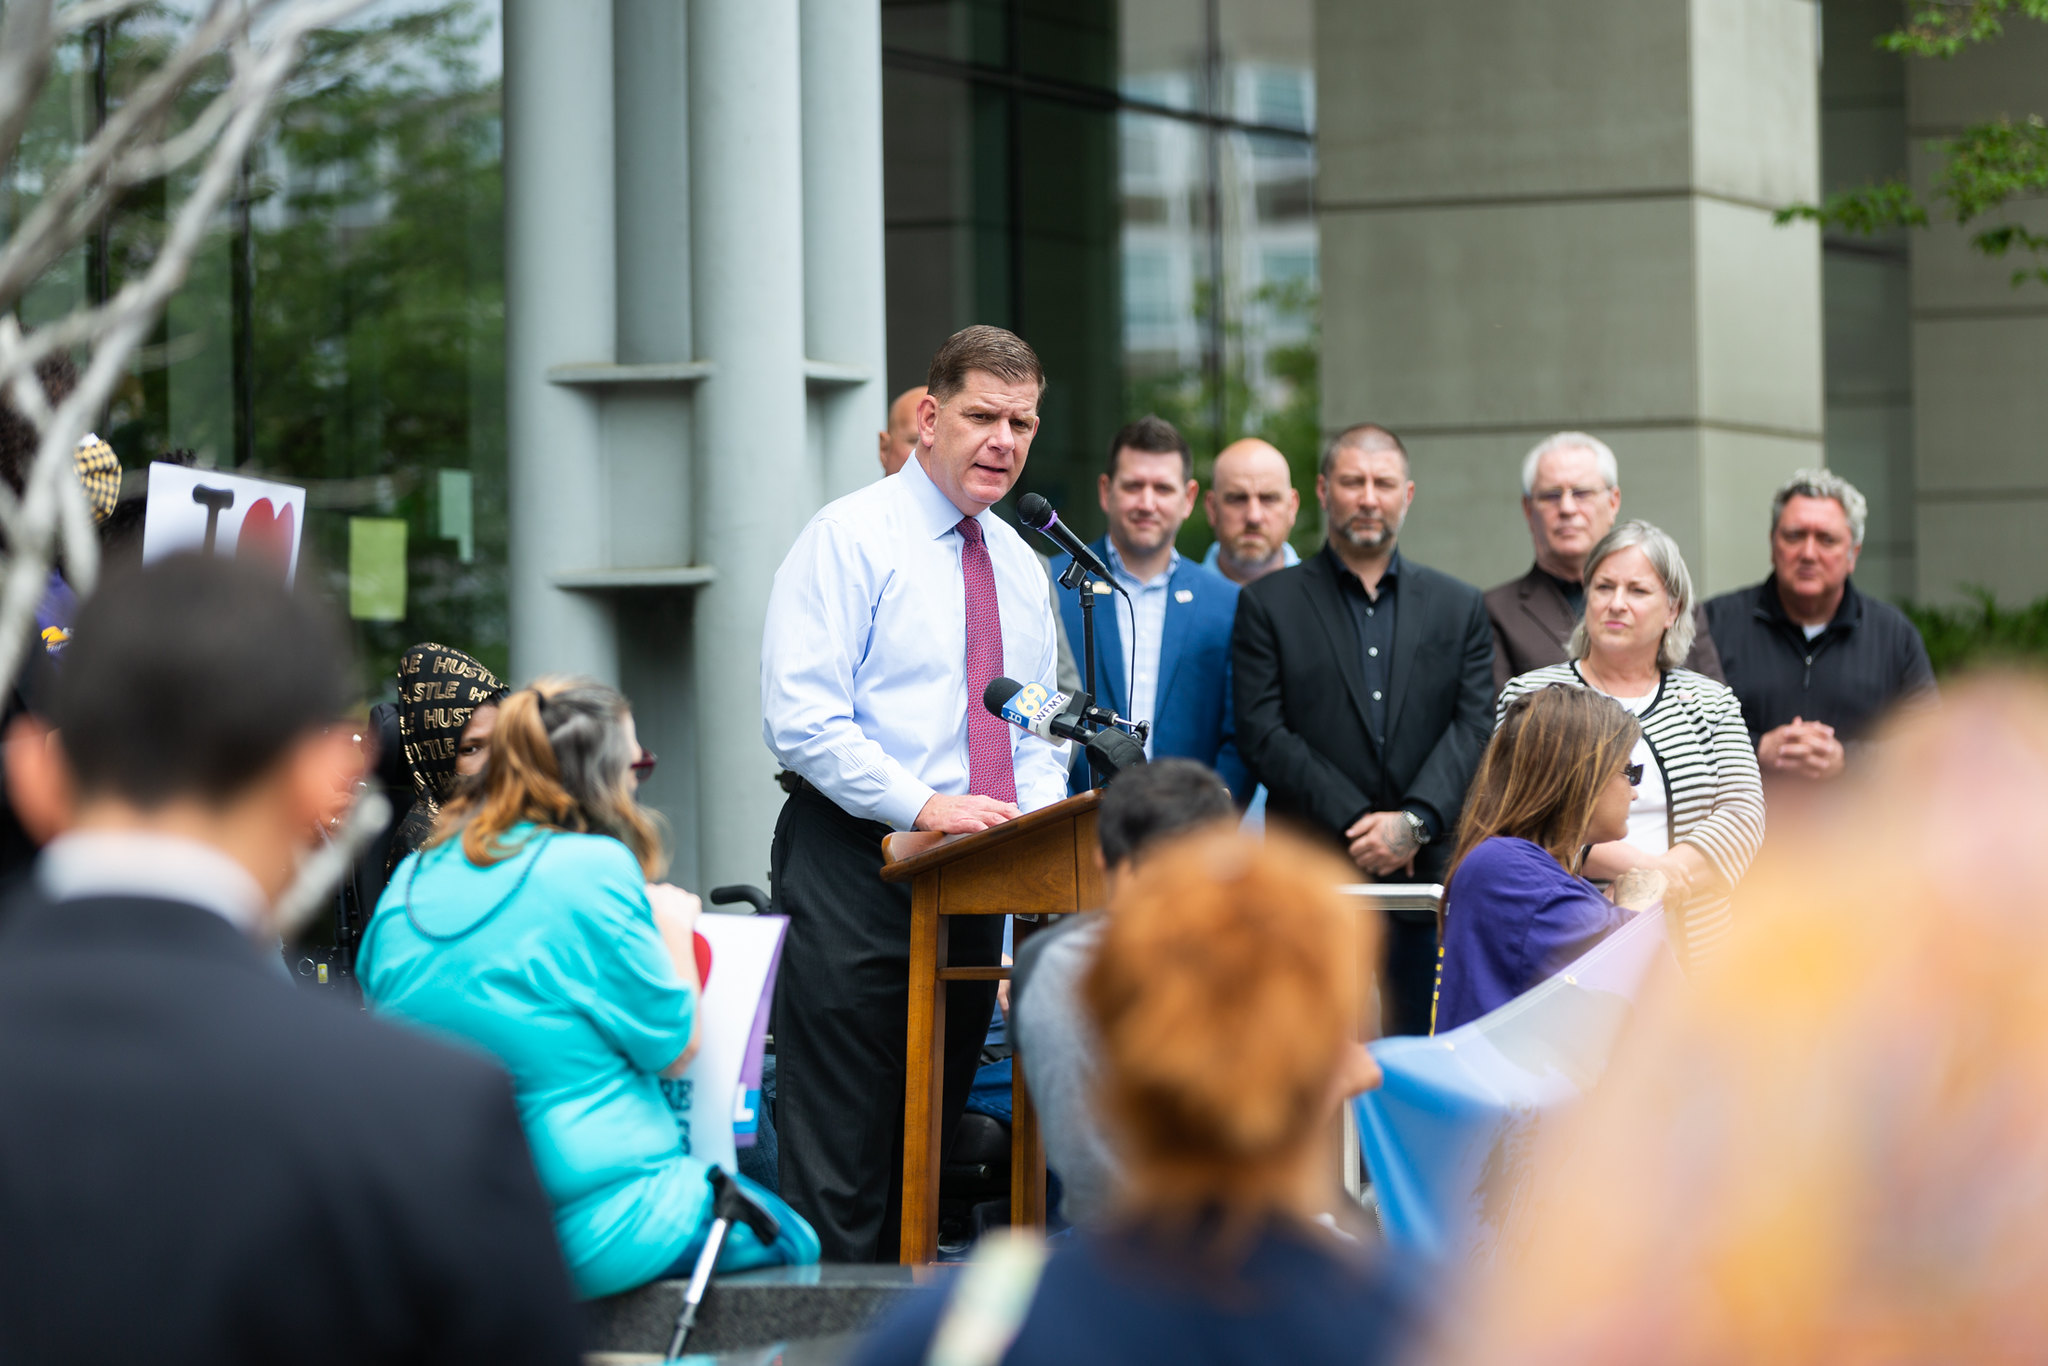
{"x":1364,"y":691}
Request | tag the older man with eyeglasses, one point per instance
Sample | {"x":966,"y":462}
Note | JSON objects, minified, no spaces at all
{"x":1571,"y":493}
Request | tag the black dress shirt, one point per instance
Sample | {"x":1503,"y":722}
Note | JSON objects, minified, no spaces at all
{"x":1574,"y":593}
{"x":1372,"y":616}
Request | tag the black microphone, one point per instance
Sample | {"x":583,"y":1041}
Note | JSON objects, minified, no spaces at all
{"x":1111,"y":751}
{"x":1036,"y":513}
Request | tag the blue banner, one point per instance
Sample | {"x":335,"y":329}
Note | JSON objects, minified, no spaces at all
{"x":1450,"y":1135}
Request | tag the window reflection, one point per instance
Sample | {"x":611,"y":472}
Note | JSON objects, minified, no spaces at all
{"x":1211,"y":198}
{"x":343,"y":326}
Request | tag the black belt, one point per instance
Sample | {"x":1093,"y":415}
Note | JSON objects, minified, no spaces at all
{"x":801,"y":788}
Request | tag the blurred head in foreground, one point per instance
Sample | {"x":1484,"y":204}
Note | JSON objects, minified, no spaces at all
{"x":1153,"y":802}
{"x":1230,"y":990}
{"x":1834,"y":1146}
{"x":201,"y":698}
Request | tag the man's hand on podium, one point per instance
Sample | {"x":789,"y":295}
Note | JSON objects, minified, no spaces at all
{"x":963,"y":815}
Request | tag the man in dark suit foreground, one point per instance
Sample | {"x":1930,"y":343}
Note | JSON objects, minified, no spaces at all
{"x":198,"y":1161}
{"x":1365,"y":695}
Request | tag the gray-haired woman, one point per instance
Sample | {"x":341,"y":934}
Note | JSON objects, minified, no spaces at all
{"x":1699,"y":818}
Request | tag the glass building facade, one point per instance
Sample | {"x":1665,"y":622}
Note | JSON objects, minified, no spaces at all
{"x":343,"y":327}
{"x":1129,"y":185}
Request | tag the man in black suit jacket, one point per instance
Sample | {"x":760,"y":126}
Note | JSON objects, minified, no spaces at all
{"x":198,"y":1161}
{"x":1364,"y":696}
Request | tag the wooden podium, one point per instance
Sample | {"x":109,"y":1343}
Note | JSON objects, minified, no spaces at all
{"x":1037,"y":864}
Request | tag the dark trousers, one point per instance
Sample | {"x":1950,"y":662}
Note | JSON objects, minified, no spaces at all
{"x":1408,"y":981}
{"x":842,"y":1002}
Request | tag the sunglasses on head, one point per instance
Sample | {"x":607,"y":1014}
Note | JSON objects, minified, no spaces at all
{"x":643,"y":767}
{"x":1634,"y":773}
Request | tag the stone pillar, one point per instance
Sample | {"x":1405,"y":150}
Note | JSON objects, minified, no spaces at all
{"x":755,"y":484}
{"x":1559,"y":215}
{"x":844,"y":312}
{"x":1979,"y":407}
{"x":559,"y":308}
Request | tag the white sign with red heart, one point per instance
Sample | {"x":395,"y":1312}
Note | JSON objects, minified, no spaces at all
{"x":211,"y":511}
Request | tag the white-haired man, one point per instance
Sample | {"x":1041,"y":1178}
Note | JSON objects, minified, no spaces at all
{"x":1815,"y":663}
{"x":1571,"y":492}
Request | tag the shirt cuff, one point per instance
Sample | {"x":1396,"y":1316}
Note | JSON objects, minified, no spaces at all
{"x":901,"y":803}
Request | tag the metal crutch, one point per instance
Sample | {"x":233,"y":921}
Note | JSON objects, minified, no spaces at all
{"x":730,"y":1203}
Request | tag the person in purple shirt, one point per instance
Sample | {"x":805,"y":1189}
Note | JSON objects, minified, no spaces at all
{"x":1555,"y":779}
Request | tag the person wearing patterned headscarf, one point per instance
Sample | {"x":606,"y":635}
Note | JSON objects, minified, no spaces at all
{"x":440,"y":692}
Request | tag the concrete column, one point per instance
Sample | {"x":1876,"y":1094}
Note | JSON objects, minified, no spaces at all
{"x":755,"y":484}
{"x":559,"y":307}
{"x":1545,"y":216}
{"x":647,"y":435}
{"x":844,"y":312}
{"x":1979,"y":343}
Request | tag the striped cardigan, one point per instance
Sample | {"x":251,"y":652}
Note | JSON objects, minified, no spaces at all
{"x":1694,"y":728}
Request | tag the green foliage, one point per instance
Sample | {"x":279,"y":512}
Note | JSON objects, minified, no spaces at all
{"x":370,"y":235}
{"x":377,"y":252}
{"x":1982,"y":632}
{"x":1865,"y":210}
{"x":1984,"y":169}
{"x":1193,"y":399}
{"x":1943,"y":28}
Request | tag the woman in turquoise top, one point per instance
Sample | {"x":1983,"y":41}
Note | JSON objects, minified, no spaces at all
{"x":530,"y":926}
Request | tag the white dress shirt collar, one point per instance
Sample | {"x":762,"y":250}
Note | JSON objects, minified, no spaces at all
{"x":934,"y":510}
{"x":863,"y":652}
{"x":143,"y":863}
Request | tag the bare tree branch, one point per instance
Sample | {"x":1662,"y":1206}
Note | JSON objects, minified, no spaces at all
{"x":72,"y":18}
{"x":53,"y":503}
{"x":71,"y":206}
{"x":318,"y":875}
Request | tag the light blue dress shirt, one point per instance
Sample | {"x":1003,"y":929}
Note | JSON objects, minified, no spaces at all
{"x":1288,"y":555}
{"x":1148,"y":633}
{"x":863,"y":659}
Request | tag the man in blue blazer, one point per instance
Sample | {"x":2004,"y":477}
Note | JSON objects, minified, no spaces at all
{"x":1178,"y":676}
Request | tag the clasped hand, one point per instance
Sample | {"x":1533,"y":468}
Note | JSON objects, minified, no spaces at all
{"x":1805,"y":748}
{"x":1383,"y":843}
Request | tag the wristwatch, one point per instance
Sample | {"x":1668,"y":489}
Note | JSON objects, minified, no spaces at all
{"x":1417,"y":826}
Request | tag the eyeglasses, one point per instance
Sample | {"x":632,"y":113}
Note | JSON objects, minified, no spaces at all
{"x":1634,"y":773}
{"x":643,"y":767}
{"x":1554,"y":498}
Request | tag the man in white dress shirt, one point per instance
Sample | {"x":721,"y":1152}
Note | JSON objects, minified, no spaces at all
{"x":895,"y":607}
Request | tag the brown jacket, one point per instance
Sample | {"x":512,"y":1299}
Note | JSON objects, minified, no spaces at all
{"x":1532,"y":623}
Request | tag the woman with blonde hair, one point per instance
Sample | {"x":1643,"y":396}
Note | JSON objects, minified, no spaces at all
{"x":1700,"y":819}
{"x":1831,"y":1145}
{"x":1555,"y":779}
{"x":532,"y":926}
{"x":1230,"y":992}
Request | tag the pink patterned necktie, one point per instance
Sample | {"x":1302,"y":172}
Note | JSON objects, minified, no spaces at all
{"x":991,"y":769}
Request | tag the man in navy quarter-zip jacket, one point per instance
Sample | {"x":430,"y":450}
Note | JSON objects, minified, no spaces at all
{"x":1815,"y":663}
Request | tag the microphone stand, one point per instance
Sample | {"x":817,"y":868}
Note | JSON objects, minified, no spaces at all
{"x":1076,"y":578}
